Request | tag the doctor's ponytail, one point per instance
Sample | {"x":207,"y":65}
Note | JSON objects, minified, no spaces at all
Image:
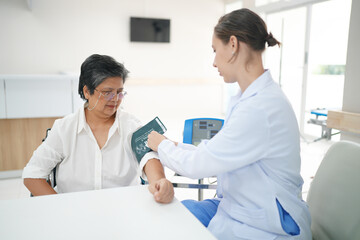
{"x":247,"y":27}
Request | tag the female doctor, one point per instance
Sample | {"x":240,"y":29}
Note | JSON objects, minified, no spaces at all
{"x":256,"y":155}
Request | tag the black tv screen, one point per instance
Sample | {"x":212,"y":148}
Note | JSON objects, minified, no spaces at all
{"x":149,"y":30}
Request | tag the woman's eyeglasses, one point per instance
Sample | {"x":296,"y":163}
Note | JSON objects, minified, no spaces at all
{"x":109,"y":95}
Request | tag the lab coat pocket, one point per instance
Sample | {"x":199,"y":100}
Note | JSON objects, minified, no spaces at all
{"x":251,"y":217}
{"x":246,"y":232}
{"x":243,"y":214}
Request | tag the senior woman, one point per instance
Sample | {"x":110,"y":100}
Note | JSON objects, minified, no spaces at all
{"x":91,"y":147}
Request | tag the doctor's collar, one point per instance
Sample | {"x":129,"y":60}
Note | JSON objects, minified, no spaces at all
{"x":261,"y":82}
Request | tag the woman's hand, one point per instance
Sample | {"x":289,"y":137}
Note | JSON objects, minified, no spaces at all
{"x":162,"y":190}
{"x":154,"y":140}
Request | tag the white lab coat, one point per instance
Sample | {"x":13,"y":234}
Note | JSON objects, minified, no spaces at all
{"x":256,"y":158}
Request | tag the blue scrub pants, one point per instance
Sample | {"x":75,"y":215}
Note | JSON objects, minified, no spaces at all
{"x":203,"y":210}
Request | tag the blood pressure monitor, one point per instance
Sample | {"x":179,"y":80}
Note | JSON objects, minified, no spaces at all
{"x":198,"y":129}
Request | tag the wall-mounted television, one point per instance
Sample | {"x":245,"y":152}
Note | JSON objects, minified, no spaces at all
{"x":149,"y":30}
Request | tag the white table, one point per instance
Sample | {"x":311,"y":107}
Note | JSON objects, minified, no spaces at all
{"x":118,"y":213}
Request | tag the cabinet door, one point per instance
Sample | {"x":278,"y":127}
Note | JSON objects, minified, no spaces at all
{"x":77,"y":100}
{"x":34,"y":96}
{"x":2,"y":99}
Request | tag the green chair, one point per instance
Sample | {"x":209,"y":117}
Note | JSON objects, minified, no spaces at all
{"x":334,"y":194}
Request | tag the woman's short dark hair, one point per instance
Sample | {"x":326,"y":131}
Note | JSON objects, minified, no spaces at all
{"x":96,"y":68}
{"x":247,"y":27}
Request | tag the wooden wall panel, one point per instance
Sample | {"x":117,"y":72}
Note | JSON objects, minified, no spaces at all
{"x":18,"y":140}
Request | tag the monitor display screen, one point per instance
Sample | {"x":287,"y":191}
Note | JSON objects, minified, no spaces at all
{"x":149,"y":30}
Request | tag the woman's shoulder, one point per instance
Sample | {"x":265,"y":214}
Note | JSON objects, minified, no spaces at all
{"x":68,"y":120}
{"x":127,"y":116}
{"x":128,"y":119}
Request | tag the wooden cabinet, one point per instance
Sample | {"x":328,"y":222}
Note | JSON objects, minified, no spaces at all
{"x":18,"y":140}
{"x":29,"y":104}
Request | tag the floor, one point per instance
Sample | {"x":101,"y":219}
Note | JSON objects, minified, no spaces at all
{"x":311,"y":153}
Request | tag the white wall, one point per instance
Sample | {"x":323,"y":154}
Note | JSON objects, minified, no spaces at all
{"x":56,"y":36}
{"x":173,"y":80}
{"x":351,"y":100}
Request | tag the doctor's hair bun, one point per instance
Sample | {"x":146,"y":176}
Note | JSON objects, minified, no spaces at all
{"x":247,"y":26}
{"x":271,"y":41}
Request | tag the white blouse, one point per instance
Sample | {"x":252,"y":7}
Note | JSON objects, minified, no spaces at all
{"x":81,"y":164}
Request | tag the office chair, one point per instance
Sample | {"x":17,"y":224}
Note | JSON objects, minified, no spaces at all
{"x":51,"y":178}
{"x":334,"y":194}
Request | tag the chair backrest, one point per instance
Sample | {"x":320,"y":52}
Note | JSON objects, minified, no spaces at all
{"x":51,"y":178}
{"x":334,"y":194}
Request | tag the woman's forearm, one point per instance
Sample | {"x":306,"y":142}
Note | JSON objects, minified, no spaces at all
{"x":154,"y":170}
{"x":38,"y":187}
{"x":159,"y":186}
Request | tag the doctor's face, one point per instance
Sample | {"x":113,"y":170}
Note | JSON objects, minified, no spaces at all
{"x":223,"y":54}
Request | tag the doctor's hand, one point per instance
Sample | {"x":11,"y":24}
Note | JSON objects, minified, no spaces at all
{"x":162,"y":190}
{"x":154,"y":140}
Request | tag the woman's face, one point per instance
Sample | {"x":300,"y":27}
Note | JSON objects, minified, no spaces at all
{"x":223,"y":53}
{"x":107,"y":96}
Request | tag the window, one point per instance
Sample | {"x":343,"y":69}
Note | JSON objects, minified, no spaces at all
{"x":327,"y":57}
{"x":310,"y":66}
